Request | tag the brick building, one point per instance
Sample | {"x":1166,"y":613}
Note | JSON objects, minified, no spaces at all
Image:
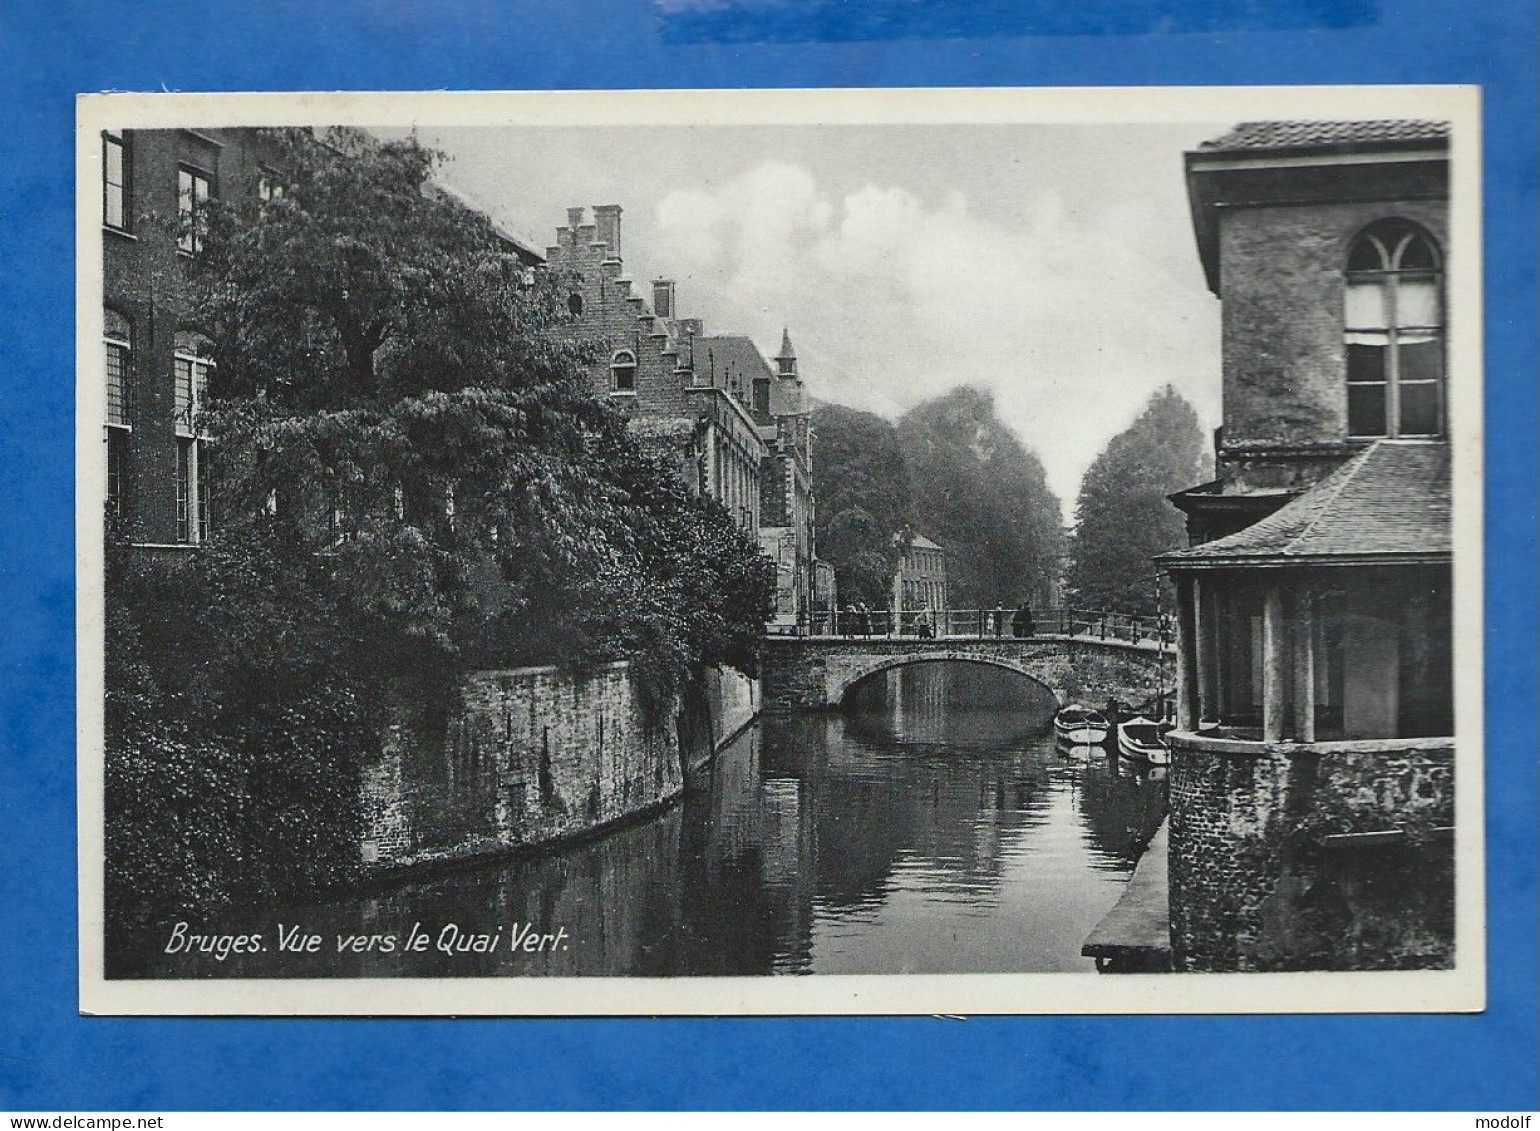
{"x":155,"y":363}
{"x":737,"y":427}
{"x":1312,"y":768}
{"x":920,"y":582}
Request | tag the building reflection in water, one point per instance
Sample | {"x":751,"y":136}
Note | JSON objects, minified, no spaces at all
{"x":932,"y":826}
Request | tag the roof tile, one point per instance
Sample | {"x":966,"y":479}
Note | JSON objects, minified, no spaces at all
{"x":1316,"y":134}
{"x":1393,"y":498}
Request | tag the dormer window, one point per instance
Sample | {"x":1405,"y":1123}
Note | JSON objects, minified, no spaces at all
{"x":1393,"y":318}
{"x":623,"y":372}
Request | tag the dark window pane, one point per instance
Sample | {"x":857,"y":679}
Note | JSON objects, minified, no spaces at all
{"x":1419,"y":409}
{"x":1366,"y":255}
{"x":1418,"y":255}
{"x":117,"y":469}
{"x":1366,"y":410}
{"x":183,"y":490}
{"x":1422,"y":361}
{"x":1365,"y":363}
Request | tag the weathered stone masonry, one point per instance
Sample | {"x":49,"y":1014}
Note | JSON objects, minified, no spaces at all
{"x":802,"y":673}
{"x":1324,"y":857}
{"x":531,"y":756}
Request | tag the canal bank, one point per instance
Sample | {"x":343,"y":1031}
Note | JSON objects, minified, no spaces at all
{"x":933,"y":827}
{"x":533,"y":757}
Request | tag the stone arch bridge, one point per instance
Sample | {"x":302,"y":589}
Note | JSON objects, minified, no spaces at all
{"x":816,"y":672}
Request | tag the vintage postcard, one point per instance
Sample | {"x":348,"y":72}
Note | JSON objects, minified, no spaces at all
{"x":837,"y":551}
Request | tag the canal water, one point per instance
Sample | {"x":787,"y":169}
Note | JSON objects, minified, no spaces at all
{"x":930,"y":827}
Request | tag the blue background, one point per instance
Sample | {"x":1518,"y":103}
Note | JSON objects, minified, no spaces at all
{"x":50,"y":1058}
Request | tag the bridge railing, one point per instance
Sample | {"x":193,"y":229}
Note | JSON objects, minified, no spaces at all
{"x":989,"y":624}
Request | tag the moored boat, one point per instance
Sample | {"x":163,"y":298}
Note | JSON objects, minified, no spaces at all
{"x":1143,"y":740}
{"x":1080,"y":726}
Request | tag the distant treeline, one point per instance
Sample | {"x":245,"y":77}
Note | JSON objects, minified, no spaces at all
{"x":951,"y":470}
{"x":948,"y":469}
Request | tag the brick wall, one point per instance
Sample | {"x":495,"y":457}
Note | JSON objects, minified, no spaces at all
{"x":143,"y":280}
{"x":1282,"y":277}
{"x":1257,"y":885}
{"x":535,"y":755}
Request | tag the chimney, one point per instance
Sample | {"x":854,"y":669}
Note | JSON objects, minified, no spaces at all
{"x":607,"y":221}
{"x":663,"y":298}
{"x":575,"y":217}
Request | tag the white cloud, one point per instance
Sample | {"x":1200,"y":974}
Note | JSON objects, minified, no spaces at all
{"x":1060,"y":308}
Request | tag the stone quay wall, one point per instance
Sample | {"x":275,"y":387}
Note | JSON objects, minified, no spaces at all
{"x":813,"y":673}
{"x":532,"y":756}
{"x":1334,"y":856}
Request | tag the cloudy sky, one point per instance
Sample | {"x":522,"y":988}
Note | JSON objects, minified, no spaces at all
{"x":1054,"y":265}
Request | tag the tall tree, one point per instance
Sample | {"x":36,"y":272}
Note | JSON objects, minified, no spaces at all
{"x":412,"y":478}
{"x":1122,"y":516}
{"x":864,"y":501}
{"x":384,"y":361}
{"x":984,"y":497}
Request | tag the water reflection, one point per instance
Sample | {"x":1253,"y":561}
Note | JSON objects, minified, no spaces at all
{"x":931,"y":827}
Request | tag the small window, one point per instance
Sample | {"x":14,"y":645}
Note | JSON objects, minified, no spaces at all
{"x":192,"y":363}
{"x":575,"y":304}
{"x":118,"y":340}
{"x":117,"y":202}
{"x":1393,"y":318}
{"x":269,"y":186}
{"x":117,"y":470}
{"x":193,"y":189}
{"x":192,"y":491}
{"x":623,"y":372}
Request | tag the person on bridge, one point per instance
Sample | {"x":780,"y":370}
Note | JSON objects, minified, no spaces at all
{"x":922,"y":625}
{"x":1021,"y":623}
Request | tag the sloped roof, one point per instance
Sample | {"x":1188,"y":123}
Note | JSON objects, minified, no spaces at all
{"x":1319,"y":134}
{"x":731,"y":354}
{"x":1389,"y":502}
{"x":523,"y":247}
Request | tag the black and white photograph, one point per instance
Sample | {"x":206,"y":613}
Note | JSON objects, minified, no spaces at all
{"x":780,"y":552}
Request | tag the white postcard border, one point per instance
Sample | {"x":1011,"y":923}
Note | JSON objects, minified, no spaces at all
{"x":1462,"y":989}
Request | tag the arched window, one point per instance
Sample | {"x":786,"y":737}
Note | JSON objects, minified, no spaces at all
{"x":192,"y":362}
{"x":575,"y":304}
{"x":623,"y":372}
{"x":1393,"y":317}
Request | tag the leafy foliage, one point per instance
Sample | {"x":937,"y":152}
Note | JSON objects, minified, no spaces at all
{"x":984,"y":497}
{"x":1123,"y":517}
{"x":865,"y":506}
{"x":413,"y":478}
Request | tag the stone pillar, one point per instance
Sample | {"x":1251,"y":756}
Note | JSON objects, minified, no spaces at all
{"x":1274,"y":663}
{"x":1205,"y":655}
{"x":1186,"y":655}
{"x":1304,"y":665}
